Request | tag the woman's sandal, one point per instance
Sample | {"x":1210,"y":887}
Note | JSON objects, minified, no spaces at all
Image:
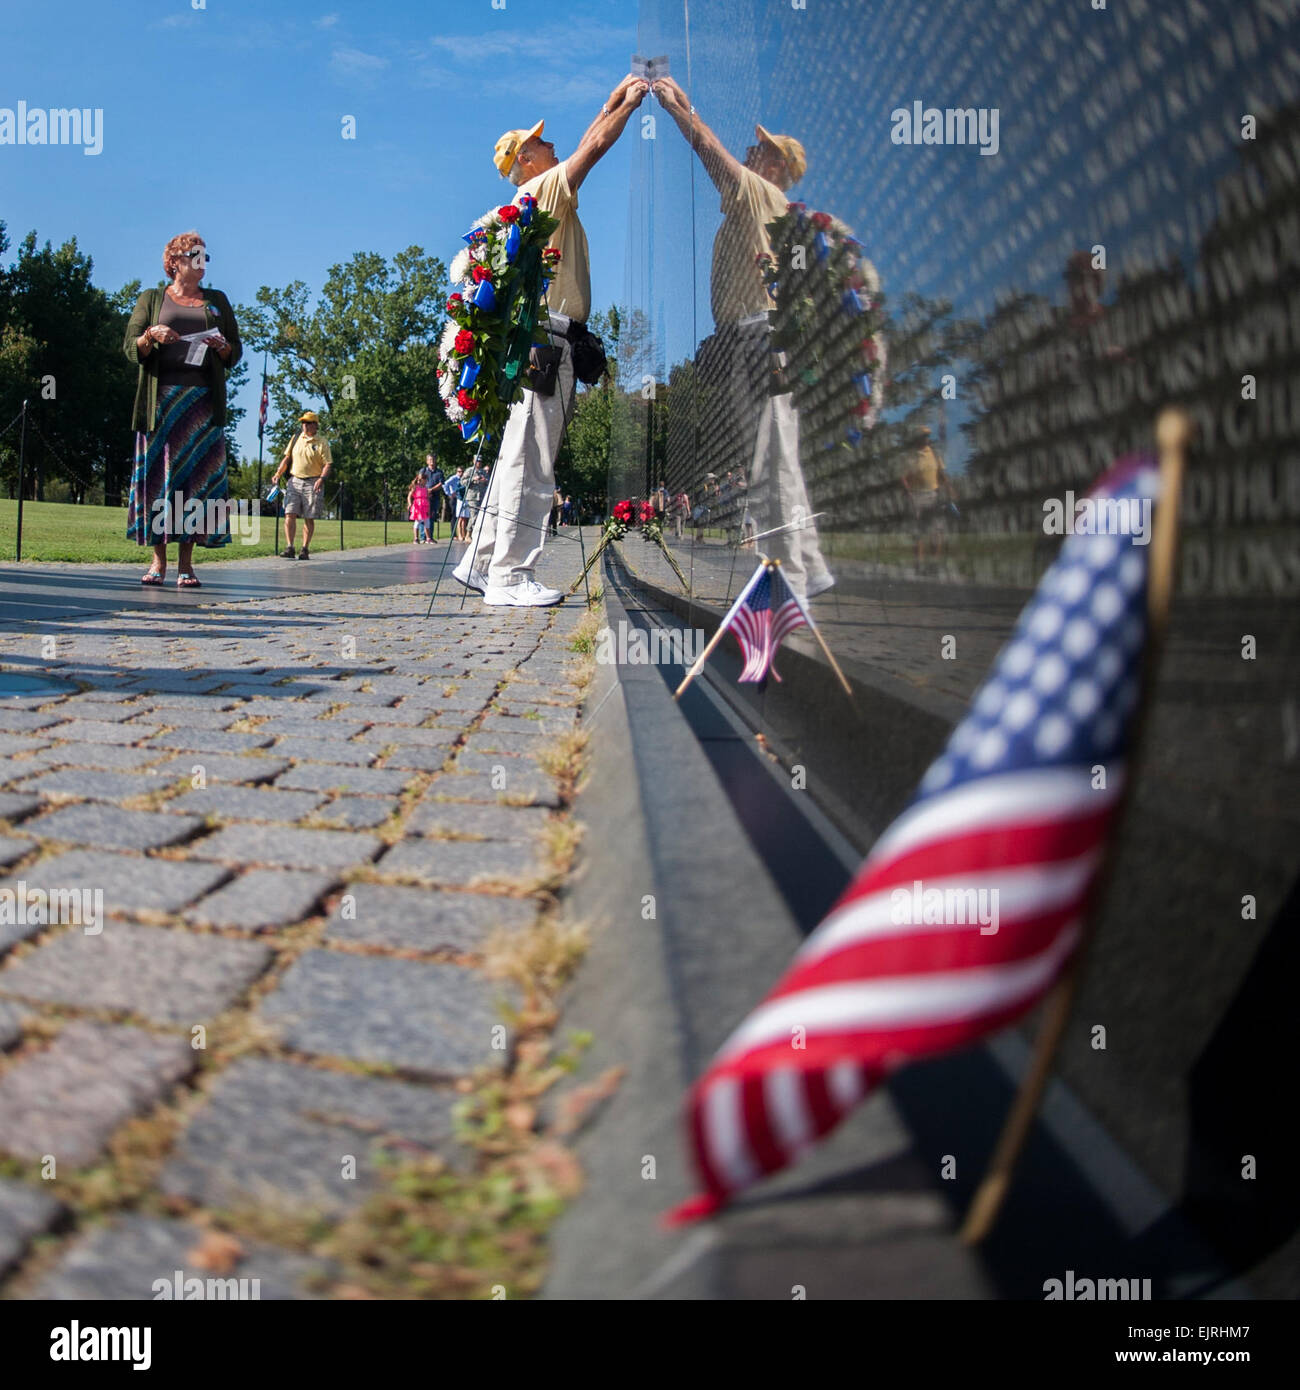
{"x":188,"y":581}
{"x":153,"y":580}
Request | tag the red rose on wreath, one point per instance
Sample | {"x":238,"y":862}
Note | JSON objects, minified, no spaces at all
{"x":508,"y":213}
{"x":454,"y":302}
{"x":464,"y":342}
{"x":822,"y":221}
{"x":481,"y":273}
{"x":465,"y":400}
{"x":551,"y":254}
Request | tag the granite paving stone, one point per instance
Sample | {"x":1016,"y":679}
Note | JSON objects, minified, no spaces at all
{"x":448,"y":819}
{"x":419,"y":759}
{"x":23,"y":721}
{"x":88,"y":784}
{"x":246,"y":803}
{"x":160,"y":973}
{"x":24,"y":1212}
{"x":263,"y":898}
{"x":291,"y":849}
{"x":224,"y":767}
{"x":384,"y":914}
{"x":357,"y":812}
{"x":125,"y":1258}
{"x":332,"y":778}
{"x":327,"y":751}
{"x":303,"y":726}
{"x":494,"y":776}
{"x":425,"y":1016}
{"x":497,"y":740}
{"x":400,"y":715}
{"x":129,"y":884}
{"x":211,"y":741}
{"x":20,"y":743}
{"x":463,"y":863}
{"x":67,"y":1099}
{"x":406,"y":739}
{"x":277,"y":1133}
{"x":183,"y":719}
{"x":94,"y":731}
{"x":97,"y":714}
{"x":112,"y":757}
{"x":12,"y":848}
{"x":110,"y":827}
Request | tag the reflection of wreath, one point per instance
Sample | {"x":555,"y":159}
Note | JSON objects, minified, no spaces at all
{"x":499,"y":280}
{"x":827,"y":317}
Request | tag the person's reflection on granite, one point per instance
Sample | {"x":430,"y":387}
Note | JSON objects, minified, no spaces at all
{"x":930,"y":492}
{"x":754,"y":194}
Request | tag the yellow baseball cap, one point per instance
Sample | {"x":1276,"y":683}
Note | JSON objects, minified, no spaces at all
{"x":309,"y":415}
{"x":510,"y":144}
{"x":788,"y":148}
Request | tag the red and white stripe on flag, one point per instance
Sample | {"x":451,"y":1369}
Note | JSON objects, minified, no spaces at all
{"x":971,"y":904}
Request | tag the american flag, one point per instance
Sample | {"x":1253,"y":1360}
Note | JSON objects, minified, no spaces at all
{"x":766,"y":612}
{"x":1008,"y":828}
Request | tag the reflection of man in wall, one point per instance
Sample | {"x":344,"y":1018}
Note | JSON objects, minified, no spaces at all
{"x":753,"y":194}
{"x":927,"y":485}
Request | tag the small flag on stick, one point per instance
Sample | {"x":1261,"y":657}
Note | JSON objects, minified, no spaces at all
{"x":972,"y":904}
{"x":766,"y":612}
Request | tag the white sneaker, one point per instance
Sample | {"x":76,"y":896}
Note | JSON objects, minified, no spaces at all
{"x":820,"y":585}
{"x":470,"y":578}
{"x":527,"y":593}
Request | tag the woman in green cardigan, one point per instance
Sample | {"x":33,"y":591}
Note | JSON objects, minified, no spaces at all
{"x":184,"y":339}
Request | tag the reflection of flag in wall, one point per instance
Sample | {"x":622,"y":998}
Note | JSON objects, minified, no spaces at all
{"x":766,"y":612}
{"x":1013,"y":804}
{"x":261,"y":414}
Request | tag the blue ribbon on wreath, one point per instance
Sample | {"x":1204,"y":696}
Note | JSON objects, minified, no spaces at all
{"x":469,"y":427}
{"x":468,"y":375}
{"x":485,"y":297}
{"x":513,"y":240}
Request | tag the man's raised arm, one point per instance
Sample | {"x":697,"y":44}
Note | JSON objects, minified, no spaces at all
{"x":605,"y":129}
{"x":720,"y":165}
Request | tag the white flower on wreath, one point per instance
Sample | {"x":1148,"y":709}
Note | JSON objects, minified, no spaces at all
{"x":460,"y":266}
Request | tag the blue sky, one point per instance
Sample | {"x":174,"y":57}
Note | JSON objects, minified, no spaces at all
{"x":229,"y":119}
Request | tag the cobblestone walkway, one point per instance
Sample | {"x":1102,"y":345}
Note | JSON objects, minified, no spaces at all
{"x":303,"y":820}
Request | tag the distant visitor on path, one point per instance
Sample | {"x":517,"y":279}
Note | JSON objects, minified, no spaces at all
{"x":511,"y":527}
{"x":417,"y":509}
{"x":183,"y":339}
{"x":309,"y":462}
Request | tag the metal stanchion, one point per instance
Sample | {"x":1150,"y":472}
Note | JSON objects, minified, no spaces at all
{"x":22,"y":459}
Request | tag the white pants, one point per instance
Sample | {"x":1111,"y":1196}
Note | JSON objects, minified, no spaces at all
{"x":778,"y":497}
{"x":512,"y":523}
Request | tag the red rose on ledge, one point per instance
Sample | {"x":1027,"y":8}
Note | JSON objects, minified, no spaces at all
{"x":464,"y":341}
{"x":466,"y":401}
{"x":481,"y":273}
{"x":622,"y":511}
{"x":508,"y":213}
{"x":647,"y":511}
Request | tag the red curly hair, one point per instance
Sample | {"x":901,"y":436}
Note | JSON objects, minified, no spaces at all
{"x":179,"y":247}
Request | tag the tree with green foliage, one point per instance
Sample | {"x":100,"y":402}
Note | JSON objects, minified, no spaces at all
{"x":61,"y":351}
{"x":367,"y":351}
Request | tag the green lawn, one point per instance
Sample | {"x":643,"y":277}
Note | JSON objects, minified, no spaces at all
{"x":63,"y":531}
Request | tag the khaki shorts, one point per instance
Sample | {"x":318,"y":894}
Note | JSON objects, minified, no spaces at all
{"x":302,"y":499}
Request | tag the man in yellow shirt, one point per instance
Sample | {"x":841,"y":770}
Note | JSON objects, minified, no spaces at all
{"x":926,"y":482}
{"x":309,"y":462}
{"x":511,"y":527}
{"x":754,"y":194}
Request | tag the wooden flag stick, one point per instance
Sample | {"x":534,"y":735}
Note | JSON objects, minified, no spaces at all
{"x":1173,"y":435}
{"x":835,"y":665}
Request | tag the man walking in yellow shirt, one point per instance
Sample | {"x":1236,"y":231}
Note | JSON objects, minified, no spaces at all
{"x":309,"y":462}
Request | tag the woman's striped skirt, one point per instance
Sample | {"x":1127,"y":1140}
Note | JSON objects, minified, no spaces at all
{"x":179,"y":490}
